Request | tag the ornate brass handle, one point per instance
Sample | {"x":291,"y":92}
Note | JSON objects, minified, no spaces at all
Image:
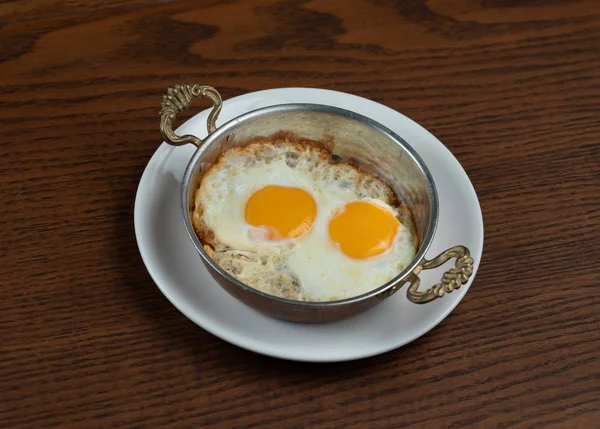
{"x":178,"y":99}
{"x":452,"y":279}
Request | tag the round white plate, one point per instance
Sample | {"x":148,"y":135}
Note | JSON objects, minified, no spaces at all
{"x":176,"y":268}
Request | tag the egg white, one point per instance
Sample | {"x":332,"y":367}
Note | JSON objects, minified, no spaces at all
{"x":327,"y":274}
{"x":323,"y":271}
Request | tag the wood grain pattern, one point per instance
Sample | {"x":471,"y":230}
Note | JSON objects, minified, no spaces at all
{"x":512,"y":88}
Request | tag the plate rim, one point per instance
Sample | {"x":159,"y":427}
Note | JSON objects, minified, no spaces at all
{"x":255,"y":347}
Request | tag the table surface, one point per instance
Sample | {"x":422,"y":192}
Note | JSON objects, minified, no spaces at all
{"x":512,"y":88}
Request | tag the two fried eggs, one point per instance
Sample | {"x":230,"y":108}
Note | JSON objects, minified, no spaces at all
{"x":284,"y":218}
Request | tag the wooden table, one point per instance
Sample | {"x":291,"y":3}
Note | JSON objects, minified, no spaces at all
{"x":511,"y":87}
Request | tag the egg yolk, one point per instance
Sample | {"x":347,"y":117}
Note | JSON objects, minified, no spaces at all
{"x":363,"y":229}
{"x":283,"y":211}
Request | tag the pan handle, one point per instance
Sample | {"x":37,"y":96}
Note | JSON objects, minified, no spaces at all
{"x":452,"y":279}
{"x":178,"y":99}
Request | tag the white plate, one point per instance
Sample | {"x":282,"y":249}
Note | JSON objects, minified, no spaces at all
{"x":176,"y":268}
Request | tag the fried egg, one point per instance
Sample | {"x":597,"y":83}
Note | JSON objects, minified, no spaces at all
{"x":283,"y":218}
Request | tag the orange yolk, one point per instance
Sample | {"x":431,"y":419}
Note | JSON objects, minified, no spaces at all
{"x":283,"y":211}
{"x":363,"y":229}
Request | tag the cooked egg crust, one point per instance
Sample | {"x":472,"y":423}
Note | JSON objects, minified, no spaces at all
{"x":308,"y":264}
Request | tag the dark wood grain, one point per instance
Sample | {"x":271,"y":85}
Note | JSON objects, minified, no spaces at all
{"x":512,"y":88}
